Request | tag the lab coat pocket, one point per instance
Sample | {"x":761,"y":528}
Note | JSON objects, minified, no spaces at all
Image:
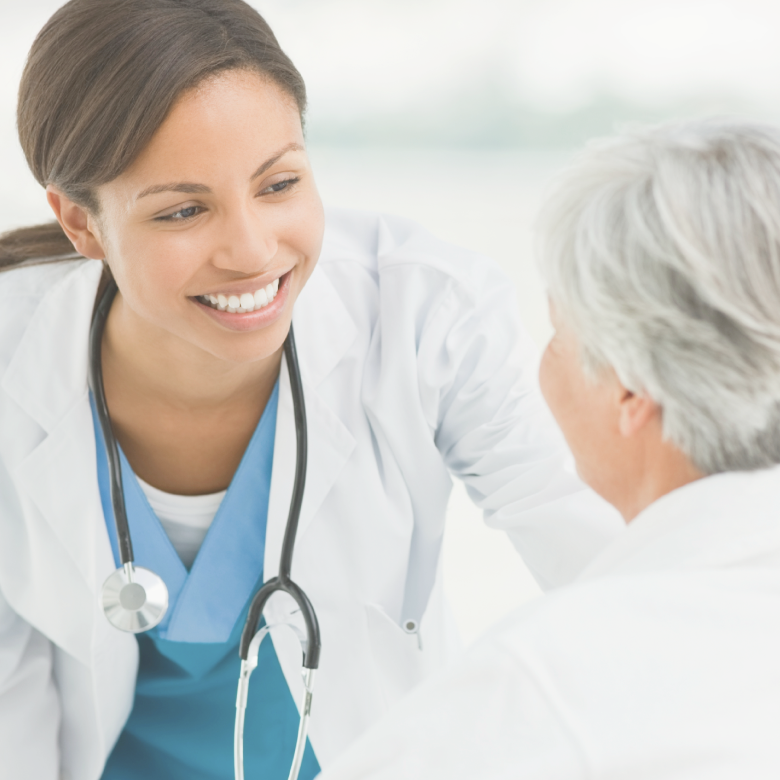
{"x":398,"y":661}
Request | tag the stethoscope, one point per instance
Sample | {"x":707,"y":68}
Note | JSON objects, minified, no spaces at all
{"x":135,"y":599}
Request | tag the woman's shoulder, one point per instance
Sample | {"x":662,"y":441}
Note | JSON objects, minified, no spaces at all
{"x":34,"y":280}
{"x":382,"y":243}
{"x":42,"y":293}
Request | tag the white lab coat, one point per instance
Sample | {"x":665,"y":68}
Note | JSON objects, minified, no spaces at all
{"x":414,"y":367}
{"x":661,"y":662}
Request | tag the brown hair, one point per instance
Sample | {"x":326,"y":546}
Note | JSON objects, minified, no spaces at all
{"x":102,"y":76}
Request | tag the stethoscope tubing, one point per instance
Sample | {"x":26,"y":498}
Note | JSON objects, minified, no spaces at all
{"x":100,"y":316}
{"x":283,"y":582}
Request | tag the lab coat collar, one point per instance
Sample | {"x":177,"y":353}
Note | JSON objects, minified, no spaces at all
{"x":324,"y":332}
{"x":734,"y":513}
{"x":53,"y":474}
{"x":42,"y":378}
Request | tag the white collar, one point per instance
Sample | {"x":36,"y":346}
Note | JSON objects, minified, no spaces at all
{"x":720,"y":520}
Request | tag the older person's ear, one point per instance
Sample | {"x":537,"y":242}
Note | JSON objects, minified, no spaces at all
{"x":77,"y":224}
{"x":635,"y":413}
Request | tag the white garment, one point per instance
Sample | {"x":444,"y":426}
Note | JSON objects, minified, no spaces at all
{"x":415,"y":369}
{"x":185,"y":519}
{"x":661,"y":662}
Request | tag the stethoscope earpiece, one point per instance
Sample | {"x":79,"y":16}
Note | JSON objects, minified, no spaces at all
{"x":134,"y":599}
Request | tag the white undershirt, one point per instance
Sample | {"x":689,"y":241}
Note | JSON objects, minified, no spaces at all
{"x":186,"y":519}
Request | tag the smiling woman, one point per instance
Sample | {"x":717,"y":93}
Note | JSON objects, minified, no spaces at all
{"x":224,"y":228}
{"x":168,"y":135}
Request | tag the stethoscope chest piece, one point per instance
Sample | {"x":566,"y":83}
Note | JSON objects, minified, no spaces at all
{"x":134,"y":599}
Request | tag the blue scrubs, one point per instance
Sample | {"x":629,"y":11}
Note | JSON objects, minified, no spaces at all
{"x":182,"y":721}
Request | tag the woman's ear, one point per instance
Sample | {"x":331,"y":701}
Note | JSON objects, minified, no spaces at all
{"x":635,"y":412}
{"x":77,"y":223}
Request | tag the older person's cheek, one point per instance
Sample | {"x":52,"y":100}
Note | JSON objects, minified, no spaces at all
{"x":571,"y":400}
{"x":552,"y":380}
{"x":544,"y":380}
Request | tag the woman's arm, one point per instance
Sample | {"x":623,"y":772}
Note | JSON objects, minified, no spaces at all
{"x":478,"y":379}
{"x":29,"y":703}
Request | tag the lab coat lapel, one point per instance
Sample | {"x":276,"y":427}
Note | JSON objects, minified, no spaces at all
{"x":54,"y":478}
{"x":58,"y":476}
{"x":324,"y":331}
{"x":43,"y":378}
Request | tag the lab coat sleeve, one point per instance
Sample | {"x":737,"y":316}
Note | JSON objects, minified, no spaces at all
{"x":486,"y":717}
{"x":29,"y":704}
{"x":478,"y":384}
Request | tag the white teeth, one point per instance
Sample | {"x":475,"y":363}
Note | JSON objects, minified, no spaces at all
{"x":239,"y":304}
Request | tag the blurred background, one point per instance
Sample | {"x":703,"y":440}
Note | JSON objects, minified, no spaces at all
{"x":458,"y":114}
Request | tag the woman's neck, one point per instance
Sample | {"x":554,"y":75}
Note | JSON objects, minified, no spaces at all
{"x":153,"y":362}
{"x":182,"y":416}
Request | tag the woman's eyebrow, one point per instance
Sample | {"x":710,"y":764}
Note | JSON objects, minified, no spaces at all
{"x":182,"y":186}
{"x":191,"y":188}
{"x":272,"y":160}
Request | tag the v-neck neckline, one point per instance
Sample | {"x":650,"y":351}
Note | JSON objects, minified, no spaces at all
{"x":205,"y":602}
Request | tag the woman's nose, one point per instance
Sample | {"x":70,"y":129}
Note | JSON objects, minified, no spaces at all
{"x":246,"y":242}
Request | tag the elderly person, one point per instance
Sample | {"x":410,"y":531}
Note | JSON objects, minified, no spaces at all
{"x":661,"y":251}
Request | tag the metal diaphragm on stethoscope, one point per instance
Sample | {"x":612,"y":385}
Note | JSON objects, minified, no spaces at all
{"x":134,"y":599}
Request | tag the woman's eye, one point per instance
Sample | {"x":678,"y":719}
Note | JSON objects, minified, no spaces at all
{"x":181,"y":215}
{"x":281,"y":186}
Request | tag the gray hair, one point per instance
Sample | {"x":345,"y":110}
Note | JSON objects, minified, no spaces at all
{"x":661,"y":249}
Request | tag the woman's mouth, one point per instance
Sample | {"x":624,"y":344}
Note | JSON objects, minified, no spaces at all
{"x":247,"y":311}
{"x":245,"y":302}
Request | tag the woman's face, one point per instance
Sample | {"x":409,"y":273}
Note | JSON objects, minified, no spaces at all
{"x":213,"y":231}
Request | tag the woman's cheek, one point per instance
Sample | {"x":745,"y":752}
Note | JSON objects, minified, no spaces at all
{"x":313,"y":215}
{"x":309,"y":243}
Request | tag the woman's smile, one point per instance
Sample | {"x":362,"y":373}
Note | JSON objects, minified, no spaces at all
{"x":242,"y":302}
{"x":246,"y":311}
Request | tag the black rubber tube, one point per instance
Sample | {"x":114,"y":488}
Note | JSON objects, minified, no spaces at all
{"x":112,"y":451}
{"x":283,"y":582}
{"x":301,"y":459}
